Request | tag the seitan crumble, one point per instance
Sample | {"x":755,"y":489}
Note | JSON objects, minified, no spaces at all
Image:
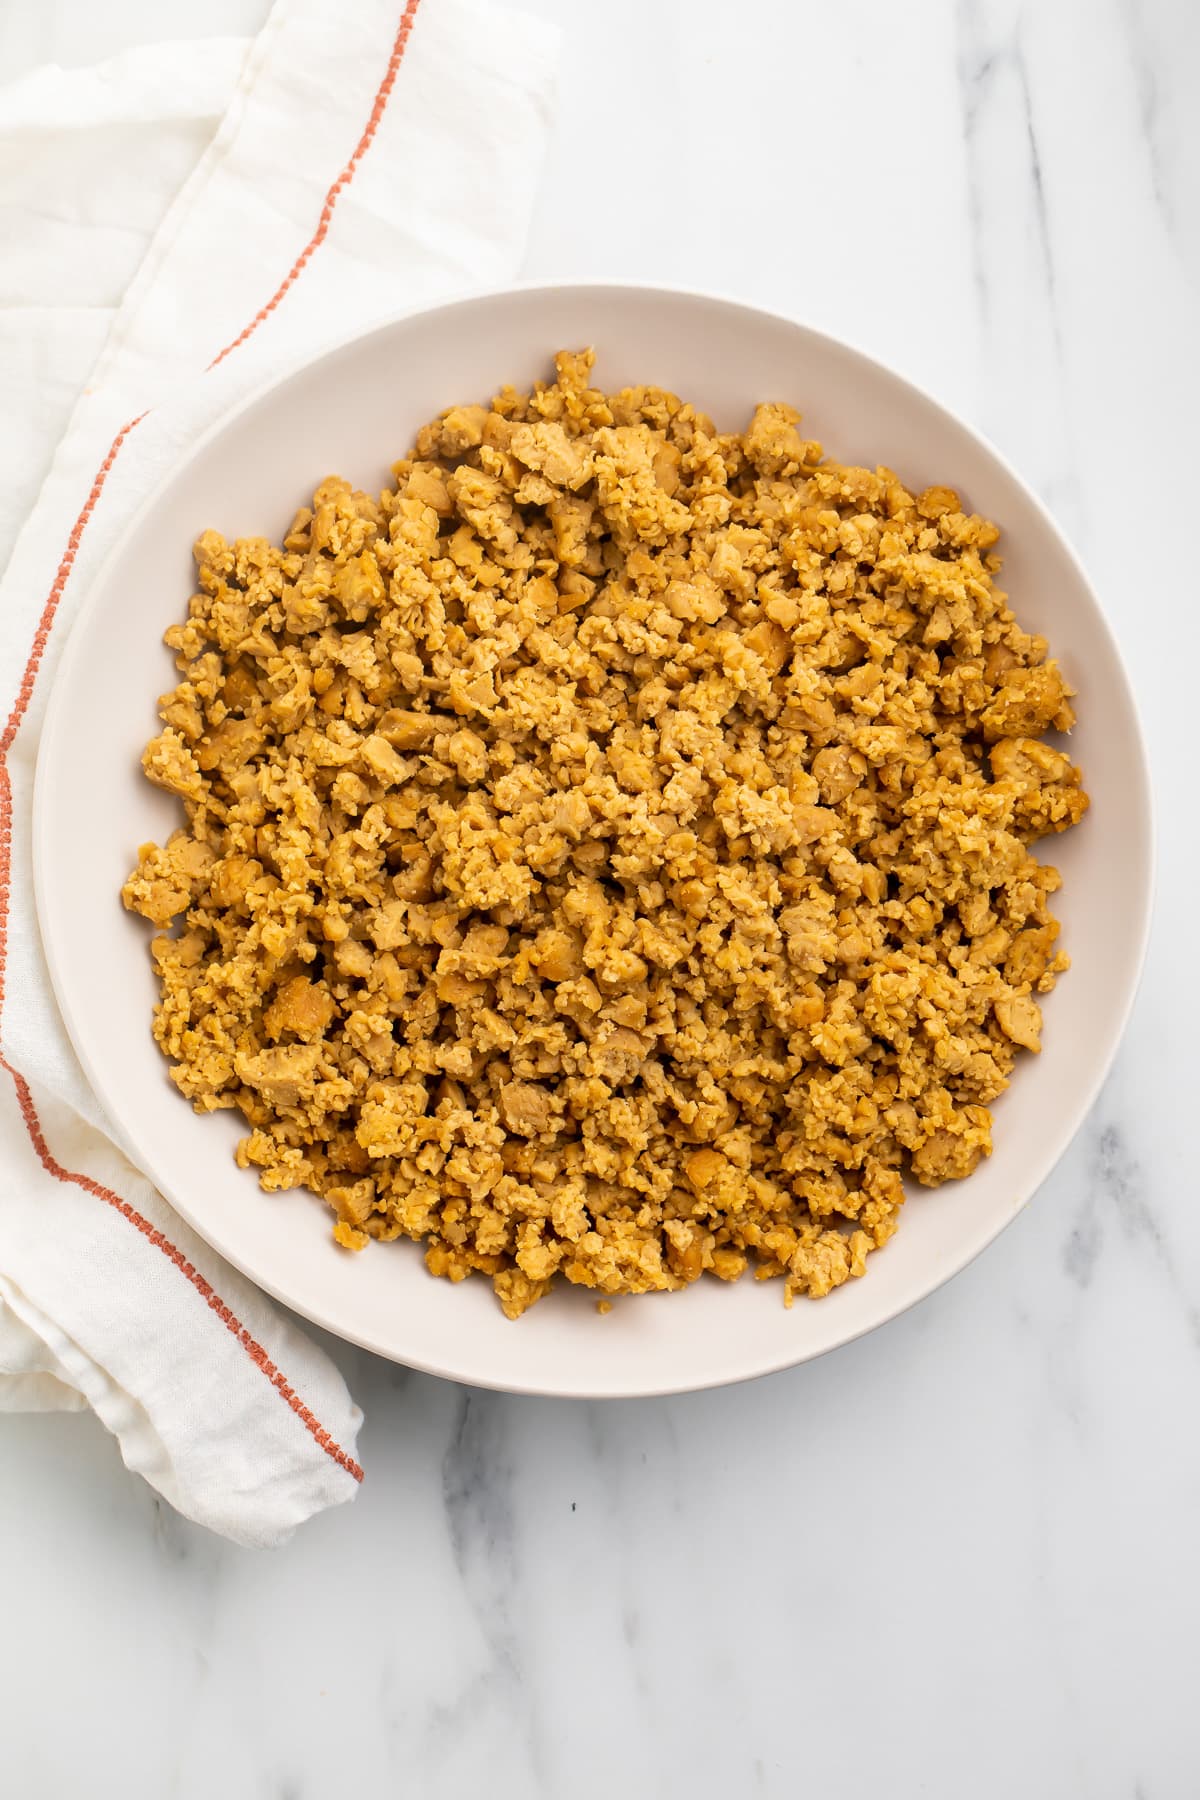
{"x":608,"y":850}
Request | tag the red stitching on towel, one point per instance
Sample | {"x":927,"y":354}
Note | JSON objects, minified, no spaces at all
{"x":45,"y":623}
{"x":204,"y":1288}
{"x":21,"y":705}
{"x":343,"y":181}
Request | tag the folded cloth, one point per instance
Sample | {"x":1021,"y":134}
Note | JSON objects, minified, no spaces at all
{"x":370,"y":158}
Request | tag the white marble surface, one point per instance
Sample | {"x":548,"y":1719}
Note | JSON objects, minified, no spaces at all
{"x":960,"y":1558}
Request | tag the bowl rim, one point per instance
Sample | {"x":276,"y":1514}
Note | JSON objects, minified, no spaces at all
{"x":56,"y":715}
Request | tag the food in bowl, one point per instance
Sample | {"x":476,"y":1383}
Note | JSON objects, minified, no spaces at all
{"x":608,"y":851}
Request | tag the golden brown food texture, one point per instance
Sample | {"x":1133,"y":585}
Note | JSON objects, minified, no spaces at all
{"x":607,"y":852}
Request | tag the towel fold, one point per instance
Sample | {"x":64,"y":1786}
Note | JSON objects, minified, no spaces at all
{"x":186,"y":222}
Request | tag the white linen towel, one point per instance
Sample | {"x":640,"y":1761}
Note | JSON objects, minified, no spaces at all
{"x":370,"y":158}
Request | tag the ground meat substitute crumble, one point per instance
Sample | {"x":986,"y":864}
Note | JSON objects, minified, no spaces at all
{"x":607,"y":852}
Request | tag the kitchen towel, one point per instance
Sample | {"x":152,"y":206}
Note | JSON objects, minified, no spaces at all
{"x":369,"y":158}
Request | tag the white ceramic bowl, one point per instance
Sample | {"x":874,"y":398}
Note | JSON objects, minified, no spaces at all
{"x":354,"y":411}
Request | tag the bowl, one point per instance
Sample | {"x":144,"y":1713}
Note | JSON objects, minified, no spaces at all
{"x":354,"y":410}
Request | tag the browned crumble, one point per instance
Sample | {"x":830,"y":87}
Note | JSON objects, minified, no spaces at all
{"x":608,"y":851}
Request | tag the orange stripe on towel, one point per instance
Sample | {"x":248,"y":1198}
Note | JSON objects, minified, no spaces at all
{"x":21,"y":705}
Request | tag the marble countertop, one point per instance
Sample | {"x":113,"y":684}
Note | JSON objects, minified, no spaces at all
{"x":960,"y":1557}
